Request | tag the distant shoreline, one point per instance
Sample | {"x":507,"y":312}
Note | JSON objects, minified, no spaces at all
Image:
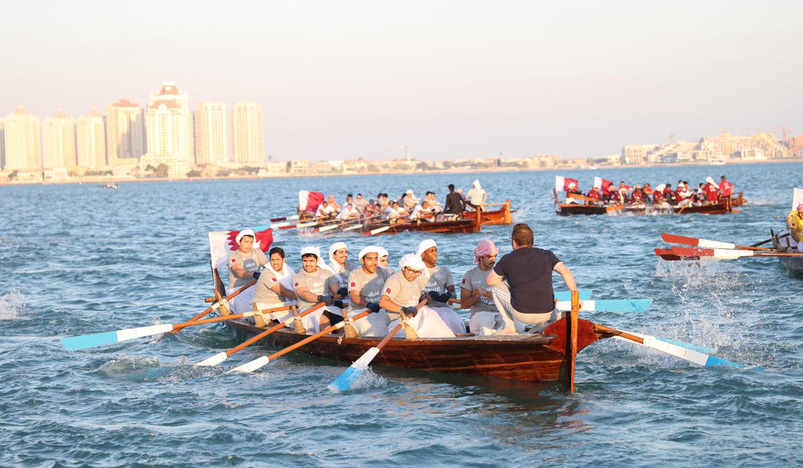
{"x":127,"y":179}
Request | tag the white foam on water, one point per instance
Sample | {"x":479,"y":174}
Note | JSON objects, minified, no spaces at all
{"x":12,"y":305}
{"x":365,"y":380}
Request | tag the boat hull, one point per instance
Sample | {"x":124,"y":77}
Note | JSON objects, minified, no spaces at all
{"x":497,"y":217}
{"x":528,"y":358}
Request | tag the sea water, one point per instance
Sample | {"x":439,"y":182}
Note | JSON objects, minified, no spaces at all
{"x":76,"y":259}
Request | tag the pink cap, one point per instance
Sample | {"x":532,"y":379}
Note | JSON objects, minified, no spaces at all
{"x":485,"y":247}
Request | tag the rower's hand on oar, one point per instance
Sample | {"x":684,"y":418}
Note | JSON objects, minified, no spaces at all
{"x":373,"y":307}
{"x":338,"y":303}
{"x":410,"y":311}
{"x":444,"y":297}
{"x":343,"y":292}
{"x":326,"y":300}
{"x":434,"y":295}
{"x":256,"y":275}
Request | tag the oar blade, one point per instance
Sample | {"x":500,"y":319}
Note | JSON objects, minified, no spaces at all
{"x":252,"y":366}
{"x":585,"y":294}
{"x":214,"y":360}
{"x":675,"y":239}
{"x":76,"y":343}
{"x":685,"y":352}
{"x":350,"y":375}
{"x":610,"y":305}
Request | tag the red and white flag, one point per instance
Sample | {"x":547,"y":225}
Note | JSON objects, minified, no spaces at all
{"x":223,"y":242}
{"x":602,"y":184}
{"x":564,"y":184}
{"x":309,"y":201}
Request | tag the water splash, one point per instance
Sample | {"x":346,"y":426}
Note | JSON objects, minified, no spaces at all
{"x":12,"y":305}
{"x":366,"y":380}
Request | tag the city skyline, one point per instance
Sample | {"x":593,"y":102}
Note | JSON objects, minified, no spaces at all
{"x":452,"y":79}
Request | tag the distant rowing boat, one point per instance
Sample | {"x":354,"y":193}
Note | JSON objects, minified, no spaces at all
{"x":588,"y":206}
{"x":504,"y":215}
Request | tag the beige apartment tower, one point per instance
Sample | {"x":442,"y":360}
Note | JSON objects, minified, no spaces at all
{"x":169,"y":131}
{"x":248,"y":133}
{"x":211,"y":133}
{"x":22,"y":133}
{"x":91,"y":139}
{"x":59,"y":141}
{"x":125,"y":132}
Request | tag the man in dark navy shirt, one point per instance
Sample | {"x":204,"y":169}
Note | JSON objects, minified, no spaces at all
{"x":522,"y":282}
{"x":455,"y":204}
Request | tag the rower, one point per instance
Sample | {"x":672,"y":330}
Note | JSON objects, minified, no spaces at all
{"x":647,"y":191}
{"x":272,"y":289}
{"x":309,"y":284}
{"x":337,"y":284}
{"x":402,"y":292}
{"x":455,"y":206}
{"x":423,"y":212}
{"x":794,"y":222}
{"x":595,"y":195}
{"x":522,"y":282}
{"x":325,"y":211}
{"x":244,"y":265}
{"x":477,"y":196}
{"x":372,"y":209}
{"x":725,"y":187}
{"x":613,"y":194}
{"x":349,"y":212}
{"x":711,"y":191}
{"x":365,"y":289}
{"x":409,"y":201}
{"x":360,"y":203}
{"x":432,"y":201}
{"x":383,"y":260}
{"x":476,"y":294}
{"x":333,"y":203}
{"x":439,"y":286}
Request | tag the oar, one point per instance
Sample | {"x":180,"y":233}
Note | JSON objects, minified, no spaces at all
{"x":378,"y":230}
{"x":220,"y":303}
{"x":344,"y":381}
{"x":222,"y":356}
{"x":682,"y":352}
{"x":705,"y":243}
{"x":75,"y":343}
{"x":729,"y":254}
{"x":610,"y":305}
{"x":667,"y":254}
{"x":251,"y":366}
{"x":585,"y":294}
{"x":286,"y":218}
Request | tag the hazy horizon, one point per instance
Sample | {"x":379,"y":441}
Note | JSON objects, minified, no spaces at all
{"x":352,"y":80}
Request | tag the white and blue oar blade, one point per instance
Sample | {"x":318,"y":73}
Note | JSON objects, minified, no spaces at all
{"x":76,"y":343}
{"x":585,"y":294}
{"x":685,"y":353}
{"x":610,"y":305}
{"x":349,"y":376}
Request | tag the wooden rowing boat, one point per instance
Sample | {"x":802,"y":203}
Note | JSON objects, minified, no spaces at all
{"x":790,"y":263}
{"x":497,"y":217}
{"x":440,"y":227}
{"x":530,"y":358}
{"x":589,"y":207}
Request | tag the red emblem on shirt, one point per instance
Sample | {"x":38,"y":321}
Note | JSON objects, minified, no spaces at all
{"x":296,"y":284}
{"x":464,"y":281}
{"x":353,"y":284}
{"x":233,"y":260}
{"x":273,"y":279}
{"x":387,"y":290}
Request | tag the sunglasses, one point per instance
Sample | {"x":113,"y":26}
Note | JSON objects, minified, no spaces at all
{"x":412,"y":272}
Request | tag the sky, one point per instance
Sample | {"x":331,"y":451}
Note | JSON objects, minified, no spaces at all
{"x":453,"y":79}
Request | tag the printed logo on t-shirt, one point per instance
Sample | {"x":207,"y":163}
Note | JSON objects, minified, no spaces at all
{"x":273,"y":279}
{"x":464,"y":281}
{"x":387,"y":290}
{"x":233,"y":260}
{"x":353,"y":284}
{"x":296,"y":284}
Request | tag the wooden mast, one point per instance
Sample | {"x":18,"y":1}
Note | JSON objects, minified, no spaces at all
{"x":571,"y":342}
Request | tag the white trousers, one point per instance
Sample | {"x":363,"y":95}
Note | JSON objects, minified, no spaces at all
{"x":486,"y":323}
{"x":427,"y":324}
{"x":515,"y":320}
{"x":450,"y":318}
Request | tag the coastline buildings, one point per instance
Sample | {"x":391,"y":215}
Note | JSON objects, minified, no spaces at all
{"x":22,"y":134}
{"x":125,"y":132}
{"x":168,"y":125}
{"x":211,"y":133}
{"x":59,"y":141}
{"x":91,"y":140}
{"x":249,"y":135}
{"x":755,"y":147}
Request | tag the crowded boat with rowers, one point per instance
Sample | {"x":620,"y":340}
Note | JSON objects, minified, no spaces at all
{"x":605,"y":197}
{"x":505,"y":297}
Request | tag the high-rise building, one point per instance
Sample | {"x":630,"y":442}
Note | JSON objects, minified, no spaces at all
{"x":125,"y":131}
{"x":168,"y":125}
{"x":249,"y":134}
{"x":59,"y":138}
{"x":91,"y":138}
{"x":211,"y":133}
{"x":23,"y":150}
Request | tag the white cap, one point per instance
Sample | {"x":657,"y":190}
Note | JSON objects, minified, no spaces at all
{"x":367,"y":250}
{"x":311,"y":249}
{"x":409,"y":192}
{"x":710,"y":181}
{"x":412,"y":262}
{"x":243,"y":233}
{"x":661,"y":187}
{"x":424,"y":245}
{"x":382,"y":252}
